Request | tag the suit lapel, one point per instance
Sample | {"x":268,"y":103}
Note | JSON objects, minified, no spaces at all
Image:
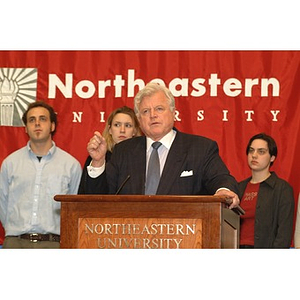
{"x":138,"y":167}
{"x":173,"y":165}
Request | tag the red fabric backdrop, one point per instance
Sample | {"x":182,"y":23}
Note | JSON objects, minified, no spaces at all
{"x":225,"y":95}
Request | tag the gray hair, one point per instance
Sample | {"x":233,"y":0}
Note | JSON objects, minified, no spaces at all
{"x":150,"y":89}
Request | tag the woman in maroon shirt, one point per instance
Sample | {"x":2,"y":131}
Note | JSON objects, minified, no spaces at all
{"x":268,"y":200}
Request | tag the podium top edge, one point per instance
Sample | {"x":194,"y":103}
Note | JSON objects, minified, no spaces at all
{"x":140,"y":198}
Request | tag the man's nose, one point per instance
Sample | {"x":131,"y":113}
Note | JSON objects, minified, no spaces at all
{"x":153,"y":113}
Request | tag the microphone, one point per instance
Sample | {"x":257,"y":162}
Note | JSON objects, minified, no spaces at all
{"x":122,"y":185}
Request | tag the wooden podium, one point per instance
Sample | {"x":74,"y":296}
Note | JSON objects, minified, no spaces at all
{"x":147,"y":222}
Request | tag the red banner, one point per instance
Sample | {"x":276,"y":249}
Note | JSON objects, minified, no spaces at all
{"x":225,"y":95}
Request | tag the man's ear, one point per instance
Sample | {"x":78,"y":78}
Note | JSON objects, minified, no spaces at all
{"x":52,"y":127}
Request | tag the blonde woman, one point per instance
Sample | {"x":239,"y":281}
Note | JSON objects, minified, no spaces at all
{"x":122,"y":124}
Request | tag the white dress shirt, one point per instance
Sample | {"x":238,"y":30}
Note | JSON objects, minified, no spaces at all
{"x":27,"y":188}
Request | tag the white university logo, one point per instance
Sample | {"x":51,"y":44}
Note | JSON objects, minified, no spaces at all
{"x":17,"y":90}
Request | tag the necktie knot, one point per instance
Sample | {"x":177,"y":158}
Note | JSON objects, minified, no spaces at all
{"x":156,"y":145}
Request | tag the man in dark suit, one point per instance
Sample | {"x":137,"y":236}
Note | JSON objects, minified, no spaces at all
{"x":189,"y":164}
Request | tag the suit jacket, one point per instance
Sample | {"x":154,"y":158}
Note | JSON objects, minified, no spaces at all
{"x":274,"y":213}
{"x":85,"y":188}
{"x":193,"y":167}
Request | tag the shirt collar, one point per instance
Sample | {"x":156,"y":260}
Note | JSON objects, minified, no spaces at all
{"x":167,"y":140}
{"x":271,"y":180}
{"x":50,"y":152}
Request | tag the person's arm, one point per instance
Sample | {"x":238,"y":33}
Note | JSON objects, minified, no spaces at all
{"x":93,"y":180}
{"x":75,"y":178}
{"x":297,"y":228}
{"x":284,"y":234}
{"x":94,"y":172}
{"x":3,"y":193}
{"x":229,"y":194}
{"x":218,"y":178}
{"x":97,"y":149}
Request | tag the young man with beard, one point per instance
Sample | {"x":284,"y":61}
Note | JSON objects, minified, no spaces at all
{"x":30,"y":177}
